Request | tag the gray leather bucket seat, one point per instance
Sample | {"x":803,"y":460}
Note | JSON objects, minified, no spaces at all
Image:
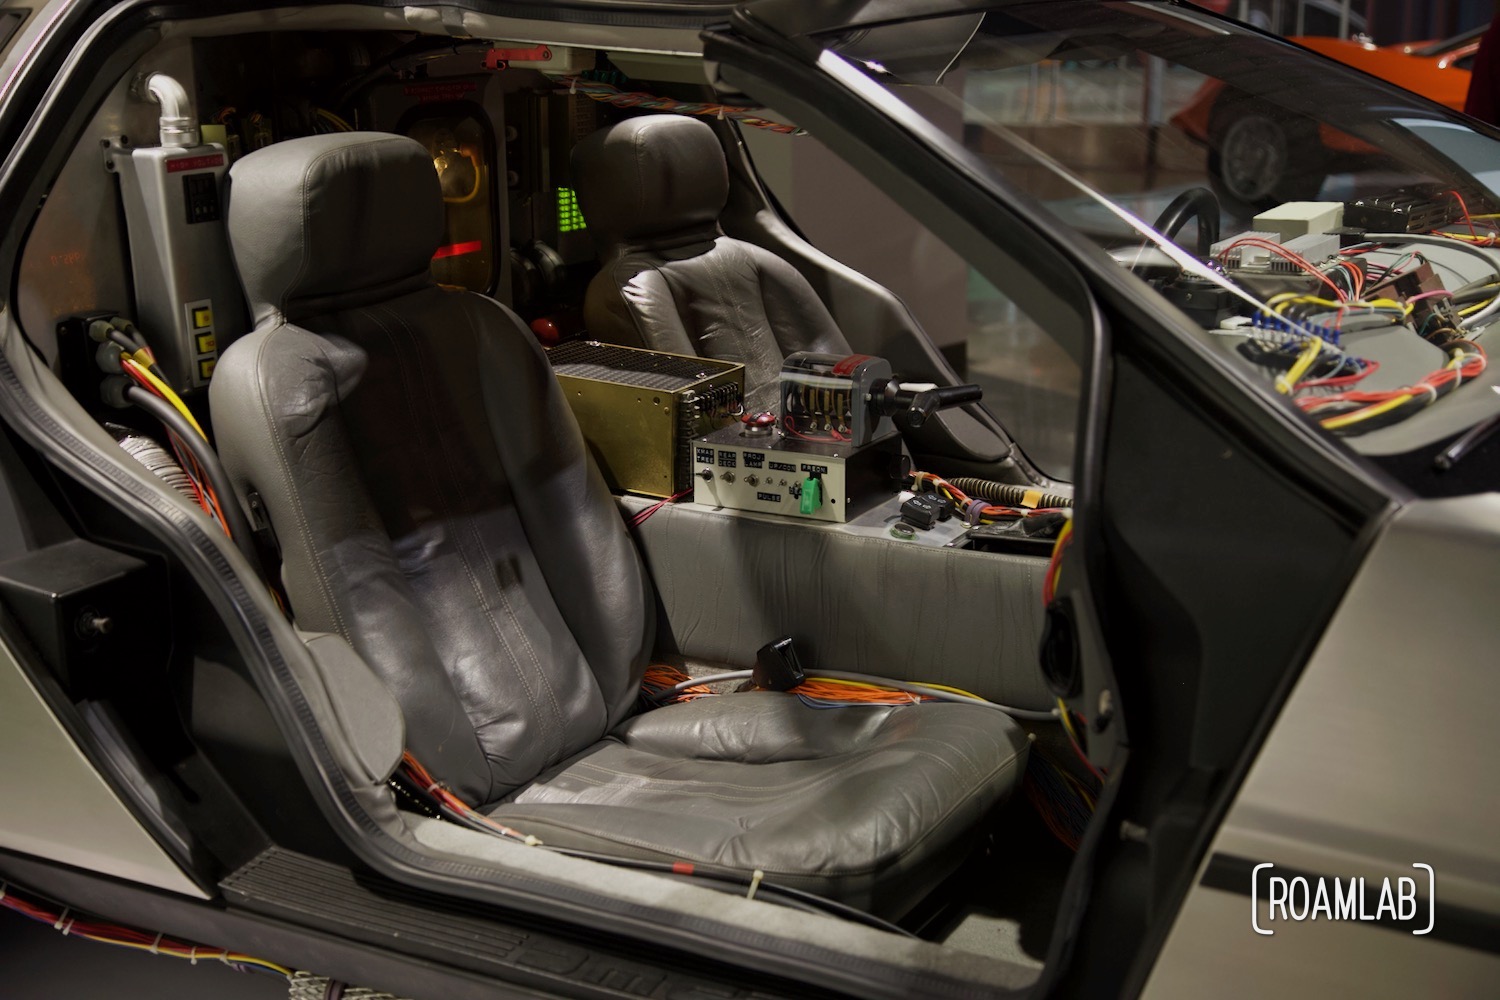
{"x":437,"y":508}
{"x":651,"y":189}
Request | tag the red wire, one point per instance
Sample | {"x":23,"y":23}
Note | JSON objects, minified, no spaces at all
{"x":1370,"y":368}
{"x":788,"y":424}
{"x":1283,"y":252}
{"x":1467,"y":219}
{"x":641,"y":517}
{"x":1081,"y":755}
{"x":1436,"y":380}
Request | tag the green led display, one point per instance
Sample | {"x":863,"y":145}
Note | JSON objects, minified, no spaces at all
{"x":569,"y":218}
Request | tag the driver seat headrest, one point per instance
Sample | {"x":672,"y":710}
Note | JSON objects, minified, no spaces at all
{"x":331,"y":222}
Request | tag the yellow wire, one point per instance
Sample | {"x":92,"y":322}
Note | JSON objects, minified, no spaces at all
{"x":168,"y":395}
{"x":849,"y":683}
{"x":1077,"y":785}
{"x":201,"y":953}
{"x":1062,"y":537}
{"x":950,"y":690}
{"x":1344,"y":420}
{"x":1062,"y":711}
{"x":1289,"y":378}
{"x":1292,"y":298}
{"x":336,"y":120}
{"x":1277,"y":302}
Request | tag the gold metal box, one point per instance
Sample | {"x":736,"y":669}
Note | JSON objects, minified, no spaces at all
{"x":640,"y":410}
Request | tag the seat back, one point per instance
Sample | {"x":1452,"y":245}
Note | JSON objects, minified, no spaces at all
{"x":651,"y":189}
{"x":433,"y":500}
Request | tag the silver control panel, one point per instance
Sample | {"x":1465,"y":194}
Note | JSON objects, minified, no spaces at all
{"x":187,"y":294}
{"x":772,"y":475}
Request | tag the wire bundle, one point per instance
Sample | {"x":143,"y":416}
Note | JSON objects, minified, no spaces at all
{"x":663,"y":685}
{"x":73,"y":924}
{"x":203,"y":491}
{"x":834,"y":435}
{"x":1073,"y":738}
{"x":974,"y":510}
{"x":1054,"y":564}
{"x":610,"y":94}
{"x":831,"y":692}
{"x":417,"y":781}
{"x":325,"y":121}
{"x":1063,"y":801}
{"x":1354,"y":412}
{"x":641,"y":516}
{"x":1473,"y":236}
{"x":1322,"y":376}
{"x":659,"y":681}
{"x":1300,"y":261}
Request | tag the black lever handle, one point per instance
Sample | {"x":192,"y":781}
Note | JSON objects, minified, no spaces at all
{"x":911,"y":404}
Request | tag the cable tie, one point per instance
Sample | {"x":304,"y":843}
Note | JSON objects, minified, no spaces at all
{"x":532,"y":840}
{"x":755,"y":883}
{"x":224,"y":957}
{"x":573,"y":87}
{"x":193,"y":955}
{"x":61,"y":917}
{"x":69,"y":926}
{"x":157,"y":943}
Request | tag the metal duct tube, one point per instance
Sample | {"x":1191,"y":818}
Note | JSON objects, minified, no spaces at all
{"x":178,"y":126}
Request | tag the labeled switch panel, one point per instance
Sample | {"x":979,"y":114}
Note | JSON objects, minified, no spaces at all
{"x":200,"y":320}
{"x":765,"y":472}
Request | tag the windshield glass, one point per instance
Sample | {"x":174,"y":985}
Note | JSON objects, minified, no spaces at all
{"x":1332,"y":234}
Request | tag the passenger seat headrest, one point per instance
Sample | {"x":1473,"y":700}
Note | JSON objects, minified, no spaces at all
{"x":649,"y":179}
{"x":333,"y":222}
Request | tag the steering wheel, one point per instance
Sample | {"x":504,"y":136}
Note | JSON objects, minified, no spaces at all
{"x":1195,"y":202}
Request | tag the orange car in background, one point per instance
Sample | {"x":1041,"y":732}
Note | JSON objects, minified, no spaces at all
{"x":1439,"y":71}
{"x":1249,"y":141}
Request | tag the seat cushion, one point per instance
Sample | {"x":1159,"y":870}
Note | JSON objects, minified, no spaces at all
{"x":865,"y":804}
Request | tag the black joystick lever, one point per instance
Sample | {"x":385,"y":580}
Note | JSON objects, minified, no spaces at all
{"x":911,"y":403}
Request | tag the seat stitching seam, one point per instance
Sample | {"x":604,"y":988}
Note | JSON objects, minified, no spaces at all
{"x":698,"y":858}
{"x":544,"y":682}
{"x":410,"y":405}
{"x":668,"y":783}
{"x":852,"y":758}
{"x":474,"y":584}
{"x":294,"y":498}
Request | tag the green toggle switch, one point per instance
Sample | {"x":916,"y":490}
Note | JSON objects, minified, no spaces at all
{"x":812,"y":494}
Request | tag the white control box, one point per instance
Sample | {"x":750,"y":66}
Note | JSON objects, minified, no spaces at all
{"x":769,"y":473}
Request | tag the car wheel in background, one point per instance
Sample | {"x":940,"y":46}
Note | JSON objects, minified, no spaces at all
{"x":1260,"y":156}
